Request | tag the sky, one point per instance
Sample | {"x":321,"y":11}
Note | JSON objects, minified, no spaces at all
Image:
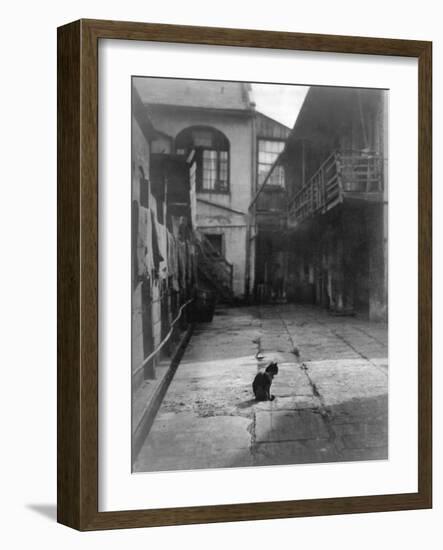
{"x":279,"y":101}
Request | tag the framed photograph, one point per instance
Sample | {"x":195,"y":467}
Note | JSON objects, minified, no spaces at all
{"x":244,"y":275}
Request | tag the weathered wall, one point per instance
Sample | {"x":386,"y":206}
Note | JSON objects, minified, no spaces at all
{"x":142,"y":346}
{"x":339,"y":259}
{"x":213,"y":220}
{"x":161,"y":280}
{"x":237,"y":128}
{"x":140,"y":165}
{"x":337,"y":262}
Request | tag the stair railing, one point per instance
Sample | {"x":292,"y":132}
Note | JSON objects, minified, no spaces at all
{"x":217,"y":265}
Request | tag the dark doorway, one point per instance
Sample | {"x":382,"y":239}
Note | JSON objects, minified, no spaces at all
{"x":216,"y":242}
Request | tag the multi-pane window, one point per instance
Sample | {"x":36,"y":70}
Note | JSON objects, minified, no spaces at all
{"x":223,"y":168}
{"x":209,"y":169}
{"x":268,"y":151}
{"x":212,"y":157}
{"x":214,"y":175}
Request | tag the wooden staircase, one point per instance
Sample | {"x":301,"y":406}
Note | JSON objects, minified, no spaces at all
{"x":214,"y":271}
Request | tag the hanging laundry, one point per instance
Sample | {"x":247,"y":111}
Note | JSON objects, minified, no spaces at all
{"x":156,"y":254}
{"x":173,"y":261}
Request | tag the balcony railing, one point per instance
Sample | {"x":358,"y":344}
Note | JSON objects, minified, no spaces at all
{"x":344,"y":174}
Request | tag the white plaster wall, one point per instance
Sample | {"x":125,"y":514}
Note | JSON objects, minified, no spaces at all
{"x":238,"y":131}
{"x":234,"y":243}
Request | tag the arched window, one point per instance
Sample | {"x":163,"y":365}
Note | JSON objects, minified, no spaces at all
{"x":212,"y":156}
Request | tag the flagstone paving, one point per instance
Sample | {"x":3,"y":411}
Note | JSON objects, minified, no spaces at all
{"x":331,"y":393}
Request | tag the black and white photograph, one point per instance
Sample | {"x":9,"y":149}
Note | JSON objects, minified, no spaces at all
{"x":220,"y":288}
{"x":259,"y":274}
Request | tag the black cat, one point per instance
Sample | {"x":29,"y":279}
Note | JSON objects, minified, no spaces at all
{"x":262,"y":383}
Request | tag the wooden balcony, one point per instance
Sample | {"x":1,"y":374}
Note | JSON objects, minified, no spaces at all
{"x":344,"y":175}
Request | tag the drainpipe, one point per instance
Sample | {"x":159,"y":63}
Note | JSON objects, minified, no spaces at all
{"x":250,"y":214}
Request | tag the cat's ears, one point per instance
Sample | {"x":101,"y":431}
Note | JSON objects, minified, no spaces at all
{"x":272,"y":366}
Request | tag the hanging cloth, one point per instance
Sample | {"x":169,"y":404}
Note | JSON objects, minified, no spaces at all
{"x":156,"y":254}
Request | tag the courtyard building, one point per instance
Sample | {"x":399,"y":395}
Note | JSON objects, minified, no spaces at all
{"x":335,"y":162}
{"x":233,"y":147}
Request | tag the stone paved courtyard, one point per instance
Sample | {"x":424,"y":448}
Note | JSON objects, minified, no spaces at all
{"x":331,"y":393}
